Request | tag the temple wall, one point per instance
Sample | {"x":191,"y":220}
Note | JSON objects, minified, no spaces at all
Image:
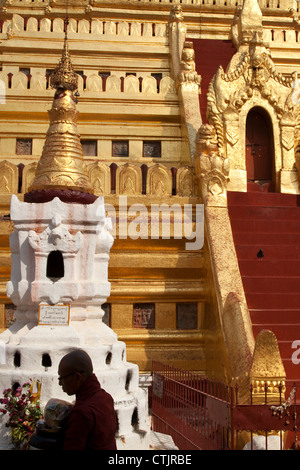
{"x":132,"y":129}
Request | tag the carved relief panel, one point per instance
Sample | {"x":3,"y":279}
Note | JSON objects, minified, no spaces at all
{"x":128,"y":179}
{"x":144,"y":315}
{"x":99,"y":175}
{"x":159,"y":181}
{"x":9,"y":178}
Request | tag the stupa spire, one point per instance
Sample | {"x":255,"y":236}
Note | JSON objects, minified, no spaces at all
{"x":250,"y":21}
{"x":64,"y":76}
{"x":61,"y":170}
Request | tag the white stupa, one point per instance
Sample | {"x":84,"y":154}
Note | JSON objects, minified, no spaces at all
{"x":59,"y":277}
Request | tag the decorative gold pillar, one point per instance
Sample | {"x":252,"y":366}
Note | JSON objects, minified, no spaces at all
{"x":250,"y":363}
{"x":212,"y":169}
{"x":267,"y":374}
{"x":185,"y":76}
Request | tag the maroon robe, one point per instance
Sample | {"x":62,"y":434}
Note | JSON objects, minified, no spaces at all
{"x":92,"y":422}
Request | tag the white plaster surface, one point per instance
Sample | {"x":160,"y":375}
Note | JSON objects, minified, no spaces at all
{"x":81,"y":234}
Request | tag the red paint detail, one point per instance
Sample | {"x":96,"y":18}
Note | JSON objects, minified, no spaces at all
{"x":65,"y":195}
{"x":270,"y":222}
{"x":261,"y":187}
{"x":209,"y":55}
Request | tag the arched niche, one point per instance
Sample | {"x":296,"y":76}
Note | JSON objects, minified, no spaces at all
{"x":159,"y":180}
{"x":235,"y":142}
{"x":9,"y":178}
{"x":99,"y":174}
{"x":128,"y":179}
{"x":259,"y":149}
{"x":55,"y":266}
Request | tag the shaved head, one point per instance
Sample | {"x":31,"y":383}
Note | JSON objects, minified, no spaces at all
{"x":77,"y":361}
{"x":74,"y":368}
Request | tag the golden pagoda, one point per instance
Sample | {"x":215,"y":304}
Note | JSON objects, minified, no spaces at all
{"x":61,"y":169}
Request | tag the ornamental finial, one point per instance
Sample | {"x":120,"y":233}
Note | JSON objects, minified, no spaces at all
{"x":64,"y":76}
{"x":61,"y":170}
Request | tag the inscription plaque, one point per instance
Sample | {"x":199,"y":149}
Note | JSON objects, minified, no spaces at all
{"x":54,"y":314}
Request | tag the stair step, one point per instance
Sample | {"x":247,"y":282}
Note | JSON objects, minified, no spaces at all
{"x":263,"y":213}
{"x":279,"y":252}
{"x":291,"y":370}
{"x":266,"y":226}
{"x":263,"y":199}
{"x":264,"y":238}
{"x":268,"y":316}
{"x":270,"y":222}
{"x":282,"y":331}
{"x":275,"y":268}
{"x":271,"y":285}
{"x":290,"y":351}
{"x":272,"y":301}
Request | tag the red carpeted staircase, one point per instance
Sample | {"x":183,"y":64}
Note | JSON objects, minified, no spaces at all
{"x":266,"y":232}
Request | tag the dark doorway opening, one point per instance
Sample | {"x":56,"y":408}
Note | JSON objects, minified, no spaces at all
{"x":55,"y":266}
{"x":260,"y":150}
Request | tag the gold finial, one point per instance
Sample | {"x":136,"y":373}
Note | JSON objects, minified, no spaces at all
{"x":250,"y":21}
{"x":64,"y":76}
{"x":61,"y":167}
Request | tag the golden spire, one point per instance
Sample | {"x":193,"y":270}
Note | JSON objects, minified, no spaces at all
{"x":61,"y":167}
{"x":64,"y":76}
{"x":250,"y":21}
